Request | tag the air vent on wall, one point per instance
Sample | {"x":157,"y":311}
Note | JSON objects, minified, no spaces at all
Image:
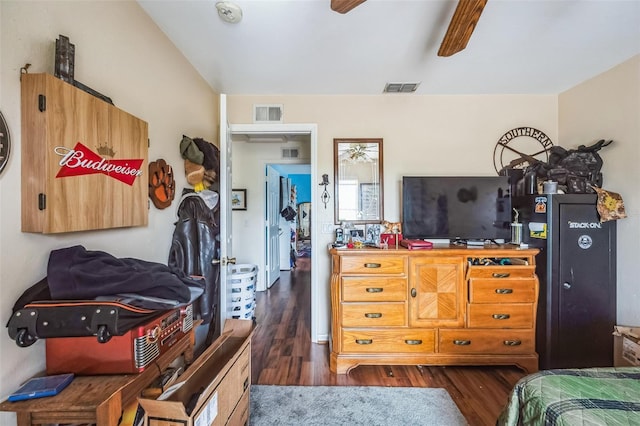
{"x":267,"y":113}
{"x":401,"y":87}
{"x":290,"y":153}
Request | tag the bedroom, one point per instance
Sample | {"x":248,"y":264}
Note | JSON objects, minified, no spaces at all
{"x":108,"y":60}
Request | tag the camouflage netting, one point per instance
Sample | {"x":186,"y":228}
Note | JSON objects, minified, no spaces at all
{"x":575,"y":170}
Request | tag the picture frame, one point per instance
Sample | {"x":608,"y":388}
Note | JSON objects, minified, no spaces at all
{"x":372,"y":233}
{"x":238,"y":199}
{"x":357,"y":234}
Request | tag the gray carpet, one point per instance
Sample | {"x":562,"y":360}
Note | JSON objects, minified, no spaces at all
{"x":352,"y":405}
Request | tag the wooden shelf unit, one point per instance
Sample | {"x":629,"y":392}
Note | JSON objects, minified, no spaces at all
{"x":96,"y":399}
{"x":220,"y":376}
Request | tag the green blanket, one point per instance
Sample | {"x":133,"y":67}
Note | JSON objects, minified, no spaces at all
{"x":592,"y":396}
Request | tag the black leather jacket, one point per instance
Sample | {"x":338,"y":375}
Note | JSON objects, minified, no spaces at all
{"x":194,"y":246}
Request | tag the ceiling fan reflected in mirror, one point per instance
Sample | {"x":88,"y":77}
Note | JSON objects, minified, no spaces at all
{"x":464,"y":21}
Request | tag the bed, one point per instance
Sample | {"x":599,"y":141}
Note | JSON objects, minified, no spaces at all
{"x":591,"y":396}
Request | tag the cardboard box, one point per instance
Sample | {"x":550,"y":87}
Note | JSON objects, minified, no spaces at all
{"x":211,"y":389}
{"x":626,"y":346}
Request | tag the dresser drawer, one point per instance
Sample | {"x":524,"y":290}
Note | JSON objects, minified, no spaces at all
{"x":374,"y":314}
{"x":372,"y":264}
{"x":240,"y":415}
{"x":507,"y":271}
{"x":489,"y":290}
{"x":486,"y":341}
{"x":500,"y":315}
{"x":374,"y":289}
{"x":236,"y":383}
{"x":388,"y":341}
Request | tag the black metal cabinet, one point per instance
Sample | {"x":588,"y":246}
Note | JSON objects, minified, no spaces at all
{"x":577,"y":271}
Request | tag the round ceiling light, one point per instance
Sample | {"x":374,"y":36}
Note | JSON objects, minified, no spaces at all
{"x":229,"y":12}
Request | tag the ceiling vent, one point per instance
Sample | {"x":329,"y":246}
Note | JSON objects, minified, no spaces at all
{"x":267,"y":138}
{"x":400,"y":87}
{"x":267,"y":113}
{"x":290,"y":153}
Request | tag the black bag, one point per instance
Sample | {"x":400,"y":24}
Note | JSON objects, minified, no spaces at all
{"x":575,"y":170}
{"x":288,"y":213}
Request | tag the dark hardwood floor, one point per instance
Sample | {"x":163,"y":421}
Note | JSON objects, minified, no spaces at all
{"x":282,"y":354}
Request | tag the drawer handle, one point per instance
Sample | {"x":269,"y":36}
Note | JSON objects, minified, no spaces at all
{"x":413,"y":342}
{"x":512,"y":342}
{"x":364,"y":341}
{"x":245,"y":385}
{"x":375,"y":289}
{"x":372,"y":265}
{"x":500,"y":274}
{"x":373,"y":315}
{"x":504,"y":290}
{"x":414,"y":293}
{"x":501,"y":316}
{"x":462,"y":342}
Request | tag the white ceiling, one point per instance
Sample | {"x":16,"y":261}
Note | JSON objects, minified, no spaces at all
{"x":303,"y":47}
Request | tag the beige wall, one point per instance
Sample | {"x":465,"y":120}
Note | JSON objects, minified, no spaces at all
{"x":446,"y":135}
{"x":428,"y":135}
{"x":119,"y":52}
{"x":608,"y":107}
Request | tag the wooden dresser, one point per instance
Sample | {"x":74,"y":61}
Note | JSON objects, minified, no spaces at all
{"x":449,"y":305}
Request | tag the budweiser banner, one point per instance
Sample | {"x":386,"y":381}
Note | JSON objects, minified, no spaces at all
{"x":82,"y":161}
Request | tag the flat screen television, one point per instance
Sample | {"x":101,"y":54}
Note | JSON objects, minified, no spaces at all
{"x":458,"y":208}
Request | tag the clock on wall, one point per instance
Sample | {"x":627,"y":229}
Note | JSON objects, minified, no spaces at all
{"x":5,"y":143}
{"x":520,"y":148}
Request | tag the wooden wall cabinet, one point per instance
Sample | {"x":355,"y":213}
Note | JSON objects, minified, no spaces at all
{"x":433,"y":307}
{"x":106,"y":182}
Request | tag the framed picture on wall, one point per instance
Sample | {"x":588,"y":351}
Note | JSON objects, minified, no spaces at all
{"x":238,"y":199}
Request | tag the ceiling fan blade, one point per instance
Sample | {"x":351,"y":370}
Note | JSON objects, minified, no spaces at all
{"x":343,"y":6}
{"x":461,"y":27}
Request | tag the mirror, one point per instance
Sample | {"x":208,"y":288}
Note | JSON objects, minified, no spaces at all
{"x":304,"y":221}
{"x":358,"y":180}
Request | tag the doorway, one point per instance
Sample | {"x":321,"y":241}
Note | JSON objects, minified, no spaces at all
{"x":254,"y":147}
{"x":294,"y":220}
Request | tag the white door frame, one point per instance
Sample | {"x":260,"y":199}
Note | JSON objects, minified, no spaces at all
{"x":312,"y":131}
{"x":271,"y":226}
{"x":226,"y":245}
